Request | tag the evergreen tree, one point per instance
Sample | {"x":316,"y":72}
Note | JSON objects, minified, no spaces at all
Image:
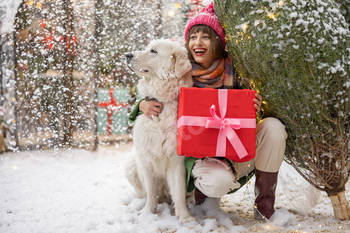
{"x":345,"y":9}
{"x":297,"y":55}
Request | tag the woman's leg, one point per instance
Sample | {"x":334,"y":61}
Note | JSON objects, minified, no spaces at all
{"x":270,"y":147}
{"x":215,"y":179}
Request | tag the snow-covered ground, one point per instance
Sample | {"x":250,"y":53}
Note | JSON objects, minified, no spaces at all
{"x":82,"y":191}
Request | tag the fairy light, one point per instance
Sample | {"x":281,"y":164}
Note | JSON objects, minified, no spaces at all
{"x":171,"y":13}
{"x":29,"y":3}
{"x":281,"y":3}
{"x":15,"y":167}
{"x":271,"y":15}
{"x":245,"y":27}
{"x":177,"y":5}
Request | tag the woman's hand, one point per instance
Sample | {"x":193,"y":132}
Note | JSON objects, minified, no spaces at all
{"x":257,"y":101}
{"x":150,"y":108}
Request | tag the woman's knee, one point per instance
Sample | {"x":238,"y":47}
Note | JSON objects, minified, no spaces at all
{"x":272,"y":128}
{"x":213,"y":179}
{"x":271,"y":143}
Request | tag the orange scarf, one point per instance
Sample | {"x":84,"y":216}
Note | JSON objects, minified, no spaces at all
{"x":221,"y":74}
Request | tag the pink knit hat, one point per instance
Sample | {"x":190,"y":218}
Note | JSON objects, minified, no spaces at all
{"x":207,"y":17}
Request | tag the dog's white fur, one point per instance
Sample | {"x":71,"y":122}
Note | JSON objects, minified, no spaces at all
{"x":155,"y":169}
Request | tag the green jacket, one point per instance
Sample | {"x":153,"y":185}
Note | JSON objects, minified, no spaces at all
{"x":135,"y":112}
{"x":189,"y":161}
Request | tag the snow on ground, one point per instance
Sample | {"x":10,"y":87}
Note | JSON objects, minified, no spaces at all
{"x":82,"y":191}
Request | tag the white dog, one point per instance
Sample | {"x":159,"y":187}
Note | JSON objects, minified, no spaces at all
{"x":156,"y":170}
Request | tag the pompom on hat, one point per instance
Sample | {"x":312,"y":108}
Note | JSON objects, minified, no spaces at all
{"x":207,"y":17}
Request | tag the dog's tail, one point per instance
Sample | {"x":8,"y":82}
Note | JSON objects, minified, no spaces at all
{"x":130,"y":170}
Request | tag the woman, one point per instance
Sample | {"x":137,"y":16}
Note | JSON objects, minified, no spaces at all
{"x":213,"y":68}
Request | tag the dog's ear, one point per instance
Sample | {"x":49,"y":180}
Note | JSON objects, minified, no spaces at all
{"x":182,"y":63}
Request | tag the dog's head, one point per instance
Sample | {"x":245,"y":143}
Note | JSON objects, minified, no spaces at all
{"x":162,"y":59}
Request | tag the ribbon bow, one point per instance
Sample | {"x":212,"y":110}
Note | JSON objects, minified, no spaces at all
{"x":227,"y":127}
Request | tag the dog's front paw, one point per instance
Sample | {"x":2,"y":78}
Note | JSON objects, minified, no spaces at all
{"x":151,"y":207}
{"x":187,"y":219}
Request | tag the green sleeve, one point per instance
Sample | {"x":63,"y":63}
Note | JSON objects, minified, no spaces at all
{"x":135,"y":112}
{"x":189,"y":163}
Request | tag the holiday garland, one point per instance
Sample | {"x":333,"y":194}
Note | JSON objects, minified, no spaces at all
{"x":297,"y":55}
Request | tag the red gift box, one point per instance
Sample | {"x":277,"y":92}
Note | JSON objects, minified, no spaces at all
{"x":216,"y":123}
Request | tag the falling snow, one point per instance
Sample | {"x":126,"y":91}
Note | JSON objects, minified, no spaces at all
{"x":75,"y":190}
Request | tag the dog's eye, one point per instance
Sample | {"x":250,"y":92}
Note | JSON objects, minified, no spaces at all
{"x":153,"y":51}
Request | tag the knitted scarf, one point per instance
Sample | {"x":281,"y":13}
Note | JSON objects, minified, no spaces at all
{"x":221,"y":74}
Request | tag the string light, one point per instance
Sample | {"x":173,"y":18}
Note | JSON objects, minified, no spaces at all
{"x":245,"y":27}
{"x":171,"y":13}
{"x":271,"y":15}
{"x":29,"y":3}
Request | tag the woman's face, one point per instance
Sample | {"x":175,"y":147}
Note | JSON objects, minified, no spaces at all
{"x":199,"y":46}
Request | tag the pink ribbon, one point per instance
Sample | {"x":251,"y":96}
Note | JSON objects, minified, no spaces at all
{"x":226,"y":126}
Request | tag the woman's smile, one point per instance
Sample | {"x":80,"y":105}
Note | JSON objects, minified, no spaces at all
{"x":200,"y":51}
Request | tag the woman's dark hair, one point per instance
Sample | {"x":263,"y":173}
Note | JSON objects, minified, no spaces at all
{"x":216,"y":45}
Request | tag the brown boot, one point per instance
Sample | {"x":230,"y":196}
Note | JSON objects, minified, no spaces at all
{"x":199,"y":197}
{"x":265,"y":187}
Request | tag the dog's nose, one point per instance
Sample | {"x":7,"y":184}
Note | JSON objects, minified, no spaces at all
{"x":129,"y":56}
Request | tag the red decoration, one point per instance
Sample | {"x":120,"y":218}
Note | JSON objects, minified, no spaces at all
{"x":112,"y":106}
{"x":205,"y":140}
{"x":74,"y":42}
{"x":49,"y":39}
{"x":196,"y":6}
